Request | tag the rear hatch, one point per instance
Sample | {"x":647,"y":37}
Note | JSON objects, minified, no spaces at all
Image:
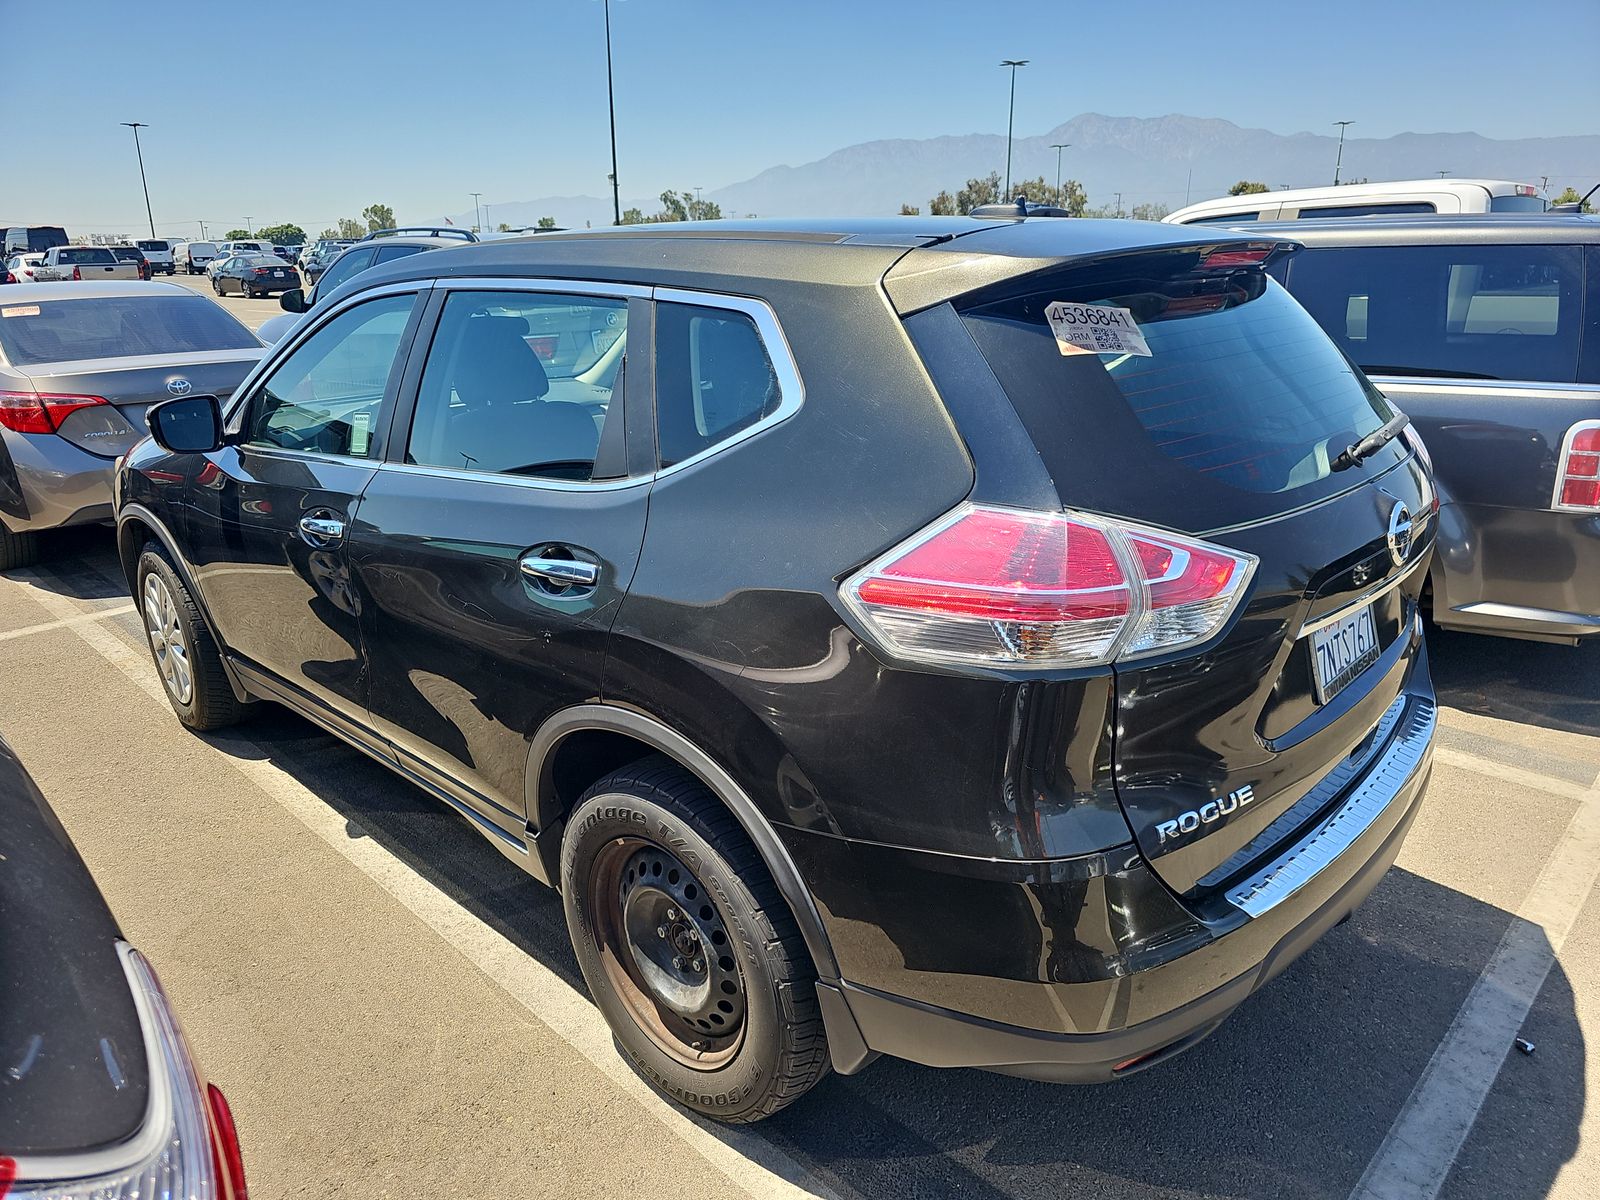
{"x":1217,"y":408}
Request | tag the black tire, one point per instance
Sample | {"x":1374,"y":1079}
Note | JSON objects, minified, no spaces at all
{"x":209,"y":702}
{"x":18,"y":549}
{"x":653,"y":813}
{"x":216,"y":286}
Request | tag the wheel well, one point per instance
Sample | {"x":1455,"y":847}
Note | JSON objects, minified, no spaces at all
{"x":578,"y":761}
{"x":132,"y":534}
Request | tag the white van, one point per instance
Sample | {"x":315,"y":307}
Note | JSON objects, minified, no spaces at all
{"x":158,"y":253}
{"x":244,"y":246}
{"x":1366,"y":200}
{"x":194,"y":257}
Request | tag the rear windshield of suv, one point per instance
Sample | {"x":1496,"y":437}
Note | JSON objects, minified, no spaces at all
{"x":48,"y":331}
{"x":1229,"y":397}
{"x":158,"y":246}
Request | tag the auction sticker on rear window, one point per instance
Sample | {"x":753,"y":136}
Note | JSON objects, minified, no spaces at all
{"x":1095,"y":329}
{"x":20,"y":310}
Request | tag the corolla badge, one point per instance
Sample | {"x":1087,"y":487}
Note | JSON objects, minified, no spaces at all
{"x":179,"y":386}
{"x":1400,"y":533}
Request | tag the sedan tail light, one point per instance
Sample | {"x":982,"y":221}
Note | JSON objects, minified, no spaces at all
{"x":1008,"y":588}
{"x":188,"y":1148}
{"x":262,"y":270}
{"x":1578,"y":472}
{"x":40,"y":412}
{"x":10,"y":278}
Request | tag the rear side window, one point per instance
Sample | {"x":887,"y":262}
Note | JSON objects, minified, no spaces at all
{"x":714,"y":379}
{"x":45,"y":331}
{"x":1228,"y":219}
{"x":1240,"y":392}
{"x":1476,"y":312}
{"x":1517,"y":204}
{"x":390,"y":253}
{"x":521,"y":383}
{"x":1366,"y":210}
{"x":326,"y":395}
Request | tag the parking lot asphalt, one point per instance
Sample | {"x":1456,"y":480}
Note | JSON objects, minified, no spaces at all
{"x":393,"y":1009}
{"x":253,"y":313}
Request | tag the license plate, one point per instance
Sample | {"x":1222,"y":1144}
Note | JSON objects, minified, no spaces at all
{"x":1342,"y":651}
{"x":277,"y":274}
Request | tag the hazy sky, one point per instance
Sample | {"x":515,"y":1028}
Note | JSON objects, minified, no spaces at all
{"x":307,"y":111}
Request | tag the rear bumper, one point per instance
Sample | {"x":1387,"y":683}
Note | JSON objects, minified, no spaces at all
{"x":1122,"y":976}
{"x":49,"y":483}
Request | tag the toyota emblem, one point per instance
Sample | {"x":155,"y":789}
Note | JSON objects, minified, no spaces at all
{"x":179,"y":386}
{"x":1400,"y":533}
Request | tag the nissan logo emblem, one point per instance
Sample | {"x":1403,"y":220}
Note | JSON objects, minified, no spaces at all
{"x":1400,"y":533}
{"x":179,"y":386}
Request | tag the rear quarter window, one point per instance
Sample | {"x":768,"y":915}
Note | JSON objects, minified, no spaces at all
{"x":714,"y":379}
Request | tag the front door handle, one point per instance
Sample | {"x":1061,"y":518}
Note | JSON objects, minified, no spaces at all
{"x":321,"y":531}
{"x":563,"y":572}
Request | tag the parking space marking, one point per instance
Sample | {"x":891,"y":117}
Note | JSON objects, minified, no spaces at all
{"x":752,"y":1163}
{"x":1426,"y":1137}
{"x":1517,"y":775}
{"x":99,"y":614}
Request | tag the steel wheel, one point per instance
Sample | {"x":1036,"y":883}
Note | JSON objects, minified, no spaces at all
{"x":167,"y":640}
{"x":667,"y":954}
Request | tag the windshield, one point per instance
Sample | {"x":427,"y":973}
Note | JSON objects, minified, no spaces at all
{"x":51,"y":331}
{"x":151,"y":245}
{"x":79,"y":256}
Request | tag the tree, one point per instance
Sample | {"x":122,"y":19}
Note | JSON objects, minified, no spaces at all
{"x":910,"y":210}
{"x":1571,"y":196}
{"x":351,"y":228}
{"x":503,"y":228}
{"x":633,"y":216}
{"x":1247,"y":187}
{"x":942,"y":205}
{"x":282,"y":235}
{"x":234,"y":234}
{"x":979,"y":191}
{"x":327,"y":235}
{"x":547,"y":222}
{"x":1150,"y":212}
{"x":378,"y":216}
{"x":681,"y":206}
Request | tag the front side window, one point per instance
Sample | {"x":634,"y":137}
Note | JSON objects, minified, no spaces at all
{"x":344,"y":268}
{"x":1475,"y":312}
{"x":714,"y":379}
{"x":522,"y":383}
{"x":326,"y":395}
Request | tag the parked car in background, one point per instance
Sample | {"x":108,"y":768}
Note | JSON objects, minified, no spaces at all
{"x":134,"y":255}
{"x":1088,"y":690}
{"x":1486,"y":330}
{"x":352,"y":262}
{"x":20,"y":268}
{"x":321,"y":255}
{"x":1421,"y":196}
{"x":253,"y":275}
{"x":103,"y":1096}
{"x":158,"y":253}
{"x":30,"y":239}
{"x":194,"y":257}
{"x":79,"y":364}
{"x":244,"y":246}
{"x":215,"y":266}
{"x":73,"y":263}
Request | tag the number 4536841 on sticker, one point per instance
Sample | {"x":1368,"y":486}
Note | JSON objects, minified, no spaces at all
{"x":1095,"y":329}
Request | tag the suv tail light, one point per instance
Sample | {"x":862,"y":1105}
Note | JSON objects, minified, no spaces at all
{"x":187,"y":1150}
{"x":1002,"y":587}
{"x":1578,"y":473}
{"x":40,"y":412}
{"x":77,"y":274}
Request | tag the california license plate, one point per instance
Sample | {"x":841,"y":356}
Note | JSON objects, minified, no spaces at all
{"x":1342,"y":651}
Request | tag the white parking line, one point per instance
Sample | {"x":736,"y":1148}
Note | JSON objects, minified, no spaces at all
{"x":752,"y":1163}
{"x":99,"y":614}
{"x":1520,"y":776}
{"x":1426,"y":1137}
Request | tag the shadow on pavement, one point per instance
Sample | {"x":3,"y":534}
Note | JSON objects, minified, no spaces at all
{"x":1290,"y":1098}
{"x":1557,"y":687}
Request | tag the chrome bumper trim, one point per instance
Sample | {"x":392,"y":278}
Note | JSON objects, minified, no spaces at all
{"x":1366,"y":597}
{"x":1302,"y":862}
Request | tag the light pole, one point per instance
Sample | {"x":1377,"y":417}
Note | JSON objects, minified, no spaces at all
{"x":1119,"y":204}
{"x":486,"y":218}
{"x":1058,"y":147}
{"x":1013,"y":63}
{"x":249,"y":227}
{"x":139,"y":150}
{"x":477,"y":208}
{"x":1442,"y":174}
{"x":1339,"y":160}
{"x":611,"y":101}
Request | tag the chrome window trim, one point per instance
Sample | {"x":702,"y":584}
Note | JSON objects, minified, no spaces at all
{"x":1310,"y":855}
{"x":791,"y":391}
{"x":1567,"y":439}
{"x":153,"y":1132}
{"x":1418,"y":385}
{"x":522,"y":481}
{"x":1365,"y":598}
{"x":292,"y":340}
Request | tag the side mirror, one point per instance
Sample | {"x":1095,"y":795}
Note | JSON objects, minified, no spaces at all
{"x":187,"y":425}
{"x":294,"y":300}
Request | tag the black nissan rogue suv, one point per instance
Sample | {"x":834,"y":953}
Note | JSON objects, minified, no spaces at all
{"x":990,"y":643}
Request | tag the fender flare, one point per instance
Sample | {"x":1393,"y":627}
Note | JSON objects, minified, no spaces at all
{"x":647,"y":729}
{"x":163,"y":535}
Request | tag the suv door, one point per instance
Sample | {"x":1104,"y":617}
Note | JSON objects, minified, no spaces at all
{"x":494,"y":545}
{"x":271,"y":510}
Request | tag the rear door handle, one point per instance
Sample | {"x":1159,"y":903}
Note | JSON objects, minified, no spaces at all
{"x":321,"y":531}
{"x":563,"y":572}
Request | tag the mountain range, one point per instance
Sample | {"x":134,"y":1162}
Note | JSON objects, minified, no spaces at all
{"x":1167,"y":160}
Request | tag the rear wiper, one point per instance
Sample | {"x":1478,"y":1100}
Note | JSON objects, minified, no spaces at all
{"x":1371,"y":444}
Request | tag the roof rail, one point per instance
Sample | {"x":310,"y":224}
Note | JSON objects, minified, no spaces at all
{"x":445,"y":231}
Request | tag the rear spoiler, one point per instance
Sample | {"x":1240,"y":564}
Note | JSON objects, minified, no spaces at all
{"x":956,"y":268}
